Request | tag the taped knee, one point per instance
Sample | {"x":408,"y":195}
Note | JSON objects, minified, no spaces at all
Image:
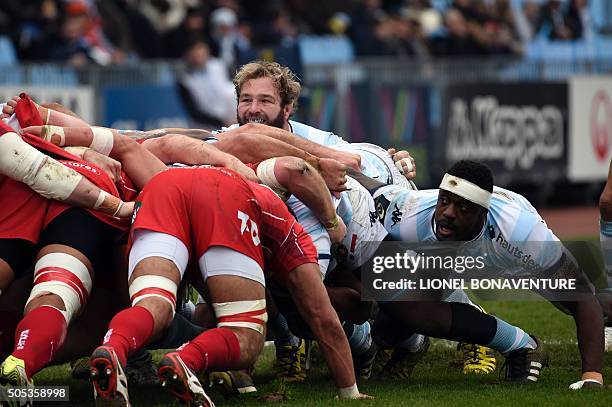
{"x":242,"y":314}
{"x":65,"y":276}
{"x":150,"y":286}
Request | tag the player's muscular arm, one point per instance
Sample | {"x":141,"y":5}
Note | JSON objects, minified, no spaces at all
{"x":303,"y":181}
{"x":255,"y":148}
{"x":176,"y":148}
{"x":587,"y":315}
{"x":53,"y":180}
{"x":137,"y":161}
{"x":307,"y":290}
{"x":350,"y":160}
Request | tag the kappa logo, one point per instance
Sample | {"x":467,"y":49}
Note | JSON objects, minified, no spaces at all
{"x":396,"y":215}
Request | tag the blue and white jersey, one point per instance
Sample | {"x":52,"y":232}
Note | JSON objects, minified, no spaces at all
{"x":514,"y":233}
{"x":363,"y":232}
{"x":376,"y":163}
{"x":326,"y":138}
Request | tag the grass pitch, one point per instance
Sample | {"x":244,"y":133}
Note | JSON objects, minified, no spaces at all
{"x":436,"y":381}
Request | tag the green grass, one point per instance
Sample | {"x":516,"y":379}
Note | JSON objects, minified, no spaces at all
{"x":436,"y":381}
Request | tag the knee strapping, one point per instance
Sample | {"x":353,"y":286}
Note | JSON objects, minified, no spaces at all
{"x":244,"y":314}
{"x":65,"y":276}
{"x":153,"y":286}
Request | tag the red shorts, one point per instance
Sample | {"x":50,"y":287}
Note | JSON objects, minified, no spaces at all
{"x":298,"y":249}
{"x":202,"y":207}
{"x":22,"y":211}
{"x":287,"y":245}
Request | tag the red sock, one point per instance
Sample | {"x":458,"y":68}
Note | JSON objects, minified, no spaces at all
{"x":8,"y":324}
{"x":128,"y":331}
{"x":38,"y":337}
{"x":215,"y":349}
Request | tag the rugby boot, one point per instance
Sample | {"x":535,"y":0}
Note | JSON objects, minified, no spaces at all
{"x":108,"y":378}
{"x":402,"y":361}
{"x":525,"y":365}
{"x":289,"y":359}
{"x":176,"y":377}
{"x":13,"y":374}
{"x":79,"y":368}
{"x":142,"y":370}
{"x":364,"y":363}
{"x":477,"y":359}
{"x":380,"y":361}
{"x":233,"y":382}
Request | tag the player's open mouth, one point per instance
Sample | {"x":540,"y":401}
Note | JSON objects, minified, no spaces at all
{"x":261,"y":121}
{"x":445,"y":231}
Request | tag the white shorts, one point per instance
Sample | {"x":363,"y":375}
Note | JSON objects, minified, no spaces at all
{"x":148,"y":243}
{"x":223,"y":261}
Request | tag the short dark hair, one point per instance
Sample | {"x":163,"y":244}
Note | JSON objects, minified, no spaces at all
{"x":474,"y":172}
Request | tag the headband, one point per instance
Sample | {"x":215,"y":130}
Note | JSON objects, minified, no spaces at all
{"x":466,"y":189}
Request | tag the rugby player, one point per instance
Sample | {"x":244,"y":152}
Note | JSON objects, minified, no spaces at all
{"x":605,"y":237}
{"x":176,"y":221}
{"x":267,"y":95}
{"x":64,"y":266}
{"x":467,"y":207}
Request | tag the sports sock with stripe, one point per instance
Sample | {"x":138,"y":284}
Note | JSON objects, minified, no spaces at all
{"x":38,"y":337}
{"x":282,"y":334}
{"x":360,"y":339}
{"x":128,"y":331}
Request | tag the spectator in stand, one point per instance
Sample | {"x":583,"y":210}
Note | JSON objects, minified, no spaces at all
{"x":227,"y":36}
{"x":164,"y":16}
{"x":367,"y":29}
{"x":578,"y":20}
{"x":194,"y":26}
{"x":206,"y":89}
{"x":80,"y":40}
{"x":552,"y":21}
{"x":33,"y":24}
{"x":276,"y":27}
{"x":428,"y":17}
{"x":498,"y":30}
{"x":458,"y":41}
{"x":526,"y":20}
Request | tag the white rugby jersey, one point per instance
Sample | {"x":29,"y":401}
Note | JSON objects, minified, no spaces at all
{"x":375,"y":161}
{"x":11,"y":121}
{"x":514,"y":232}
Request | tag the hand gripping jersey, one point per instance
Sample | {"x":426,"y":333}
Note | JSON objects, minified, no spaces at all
{"x":27,"y":114}
{"x":513,"y":233}
{"x":375,"y":161}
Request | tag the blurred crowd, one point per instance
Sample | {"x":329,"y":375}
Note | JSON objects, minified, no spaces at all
{"x":117,"y":31}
